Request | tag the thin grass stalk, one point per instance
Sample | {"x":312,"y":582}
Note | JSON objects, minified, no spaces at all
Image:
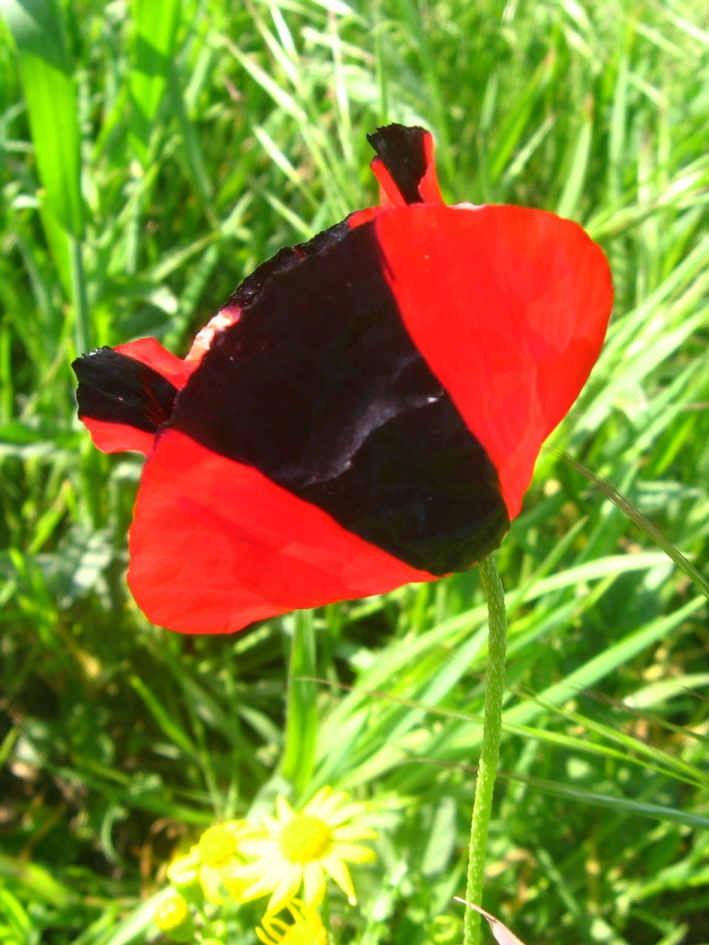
{"x":80,"y":300}
{"x":490,"y":750}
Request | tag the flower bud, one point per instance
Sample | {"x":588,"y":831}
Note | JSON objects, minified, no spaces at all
{"x":173,"y":917}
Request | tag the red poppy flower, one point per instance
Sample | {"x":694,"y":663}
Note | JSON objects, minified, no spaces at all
{"x":364,"y":411}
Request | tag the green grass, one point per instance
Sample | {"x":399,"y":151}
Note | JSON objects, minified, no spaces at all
{"x":121,"y":740}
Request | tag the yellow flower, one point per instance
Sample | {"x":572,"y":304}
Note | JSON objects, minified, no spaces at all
{"x":306,"y":930}
{"x":302,"y":848}
{"x":172,"y":916}
{"x":211,"y":862}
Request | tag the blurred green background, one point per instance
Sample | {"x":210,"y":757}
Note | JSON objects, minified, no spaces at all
{"x":151,"y":154}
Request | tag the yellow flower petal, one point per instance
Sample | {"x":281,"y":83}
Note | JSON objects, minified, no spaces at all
{"x":273,"y":826}
{"x":323,"y":804}
{"x":307,"y":927}
{"x":265,"y":883}
{"x":314,"y":884}
{"x":284,"y":810}
{"x":298,"y":848}
{"x":184,"y":870}
{"x":274,"y":925}
{"x":210,"y":880}
{"x":352,"y":853}
{"x":346,"y":813}
{"x":234,"y":884}
{"x":264,"y":867}
{"x":315,"y":803}
{"x":255,"y":848}
{"x":339,"y":872}
{"x":354,"y":832}
{"x":286,"y":889}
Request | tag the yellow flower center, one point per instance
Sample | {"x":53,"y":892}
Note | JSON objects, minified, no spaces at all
{"x":216,"y":846}
{"x":304,"y":839}
{"x":171,"y":913}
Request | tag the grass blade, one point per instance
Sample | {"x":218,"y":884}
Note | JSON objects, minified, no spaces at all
{"x":155,"y":32}
{"x":51,"y":103}
{"x":644,"y":523}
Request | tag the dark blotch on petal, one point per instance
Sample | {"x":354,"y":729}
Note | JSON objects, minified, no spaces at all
{"x":114,"y":388}
{"x":403,"y":153}
{"x":319,"y":386}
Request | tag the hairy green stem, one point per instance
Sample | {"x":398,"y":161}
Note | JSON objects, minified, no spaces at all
{"x":490,"y":750}
{"x":301,"y":710}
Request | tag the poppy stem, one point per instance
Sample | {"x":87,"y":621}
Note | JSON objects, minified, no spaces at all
{"x":301,"y":710}
{"x":490,"y":750}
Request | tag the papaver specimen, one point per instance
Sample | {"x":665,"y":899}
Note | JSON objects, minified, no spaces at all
{"x":364,"y":411}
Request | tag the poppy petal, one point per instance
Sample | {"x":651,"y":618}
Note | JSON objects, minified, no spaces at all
{"x":215,"y":545}
{"x":389,"y":193}
{"x":428,"y":185}
{"x":364,"y":411}
{"x":404,"y":165}
{"x":509,"y":307}
{"x":122,"y":399}
{"x":319,"y":386}
{"x":118,"y":437}
{"x":362,"y":216}
{"x":149,"y":351}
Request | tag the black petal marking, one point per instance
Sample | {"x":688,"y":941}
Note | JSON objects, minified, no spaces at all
{"x":285,"y":259}
{"x":320,"y":387}
{"x":402,"y":152}
{"x":119,"y":389}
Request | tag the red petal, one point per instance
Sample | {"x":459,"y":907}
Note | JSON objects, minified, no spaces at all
{"x":216,"y":545}
{"x":509,"y":306}
{"x":428,"y":188}
{"x":400,"y":167}
{"x":117,"y":437}
{"x":149,"y":351}
{"x":113,"y":437}
{"x":389,"y":195}
{"x":362,"y":216}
